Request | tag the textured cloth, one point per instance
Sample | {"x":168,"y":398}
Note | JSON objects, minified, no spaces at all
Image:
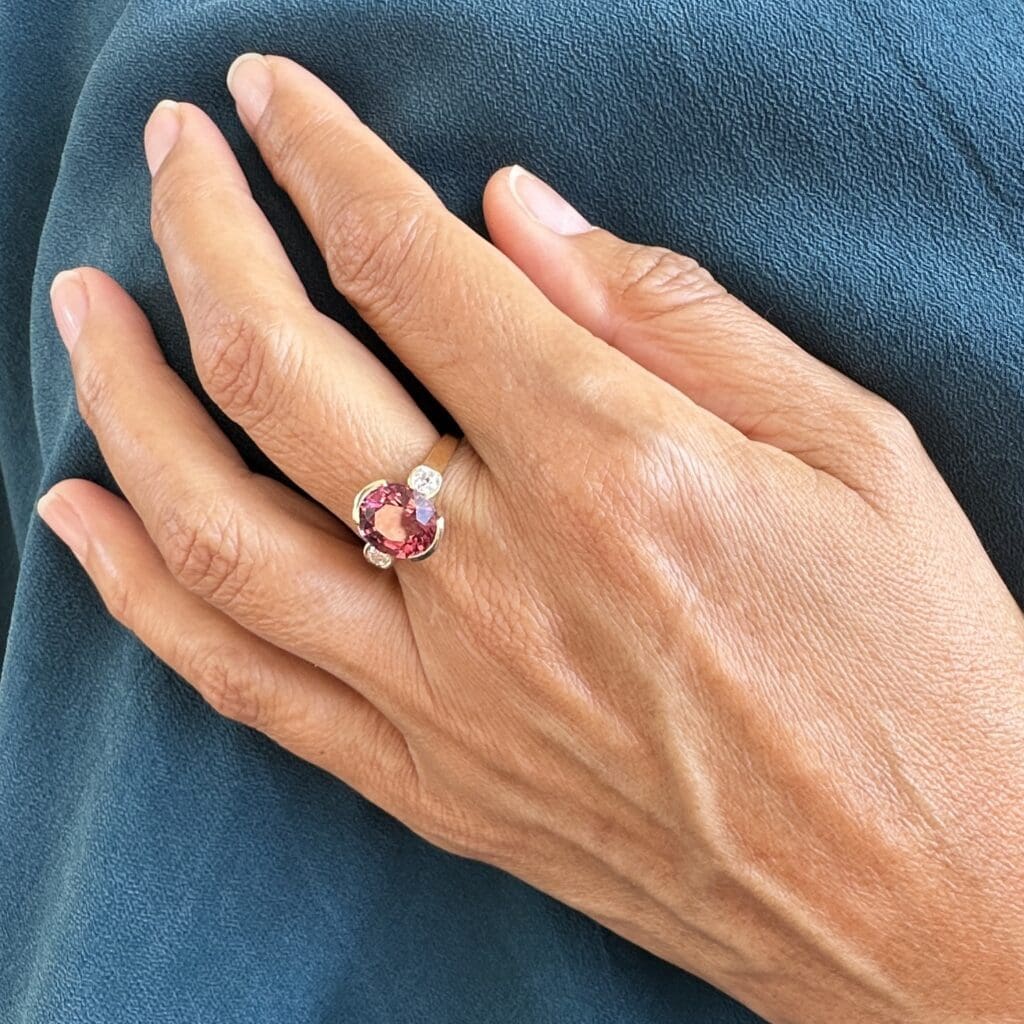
{"x":851,"y":169}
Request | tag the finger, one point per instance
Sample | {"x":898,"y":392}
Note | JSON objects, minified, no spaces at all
{"x":314,"y":399}
{"x":467,"y":323}
{"x":672,"y":317}
{"x":241,"y":676}
{"x":244,"y":543}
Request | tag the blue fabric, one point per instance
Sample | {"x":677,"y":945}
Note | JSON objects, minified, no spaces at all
{"x":852,"y":169}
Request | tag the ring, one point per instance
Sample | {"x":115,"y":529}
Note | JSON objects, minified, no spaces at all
{"x":400,"y":520}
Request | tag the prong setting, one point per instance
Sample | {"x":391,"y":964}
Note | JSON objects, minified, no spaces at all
{"x":356,"y":505}
{"x":433,"y":544}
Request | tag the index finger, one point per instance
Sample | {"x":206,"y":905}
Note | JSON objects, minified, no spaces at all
{"x":459,"y":313}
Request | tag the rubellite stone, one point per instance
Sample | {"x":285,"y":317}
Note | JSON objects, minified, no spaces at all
{"x":398,"y":520}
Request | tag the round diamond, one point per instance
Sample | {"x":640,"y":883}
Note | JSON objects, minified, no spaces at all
{"x":381,"y":559}
{"x":398,"y":520}
{"x":426,"y":480}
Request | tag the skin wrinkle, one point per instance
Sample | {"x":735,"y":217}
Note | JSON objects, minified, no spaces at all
{"x":754,"y":702}
{"x":798,"y":647}
{"x":233,"y":365}
{"x":667,"y":718}
{"x":786,"y":904}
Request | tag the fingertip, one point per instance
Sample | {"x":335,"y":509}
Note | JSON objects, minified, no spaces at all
{"x":194,"y":145}
{"x":238,"y":62}
{"x":498,"y":182}
{"x":74,"y":490}
{"x":76,"y":294}
{"x":540,"y":202}
{"x":161,"y":133}
{"x":291,"y":80}
{"x":250,"y":80}
{"x":62,"y":517}
{"x":69,"y":299}
{"x":104,"y":302}
{"x":94,"y":280}
{"x":86,"y":516}
{"x":498,"y":200}
{"x":548,"y":239}
{"x":46,"y":501}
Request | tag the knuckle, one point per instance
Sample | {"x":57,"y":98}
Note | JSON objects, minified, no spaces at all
{"x":228,"y":681}
{"x":637,"y":493}
{"x":632,"y":450}
{"x":237,"y":358}
{"x":897,"y":425}
{"x":205,"y":551}
{"x":379,"y":250}
{"x":656,"y":280}
{"x":887,"y":432}
{"x":884,"y":450}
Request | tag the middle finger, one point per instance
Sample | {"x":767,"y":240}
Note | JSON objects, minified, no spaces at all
{"x":314,"y":398}
{"x":458,"y":313}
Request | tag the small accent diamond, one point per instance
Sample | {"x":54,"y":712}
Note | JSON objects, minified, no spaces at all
{"x":425,"y":480}
{"x":381,"y":559}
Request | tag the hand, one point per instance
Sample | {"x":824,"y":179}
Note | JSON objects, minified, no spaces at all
{"x":708,"y":650}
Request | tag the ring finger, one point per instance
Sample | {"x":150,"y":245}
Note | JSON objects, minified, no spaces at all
{"x":244,"y":543}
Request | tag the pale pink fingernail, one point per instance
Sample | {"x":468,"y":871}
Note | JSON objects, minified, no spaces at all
{"x":545,"y":205}
{"x":251,"y":82}
{"x":61,"y":517}
{"x":70,"y":302}
{"x":162,"y":131}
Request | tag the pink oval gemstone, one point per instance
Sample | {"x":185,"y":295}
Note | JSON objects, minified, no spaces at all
{"x":396,"y":519}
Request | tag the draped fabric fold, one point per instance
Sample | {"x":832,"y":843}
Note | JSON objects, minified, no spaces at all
{"x":852,"y":169}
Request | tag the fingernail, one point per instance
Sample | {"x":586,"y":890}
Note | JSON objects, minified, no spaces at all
{"x":162,"y":131}
{"x":251,"y":82}
{"x":70,"y":302}
{"x":545,"y":205}
{"x":61,"y":517}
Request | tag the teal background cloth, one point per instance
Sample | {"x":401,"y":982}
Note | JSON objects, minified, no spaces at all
{"x":851,"y":168}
